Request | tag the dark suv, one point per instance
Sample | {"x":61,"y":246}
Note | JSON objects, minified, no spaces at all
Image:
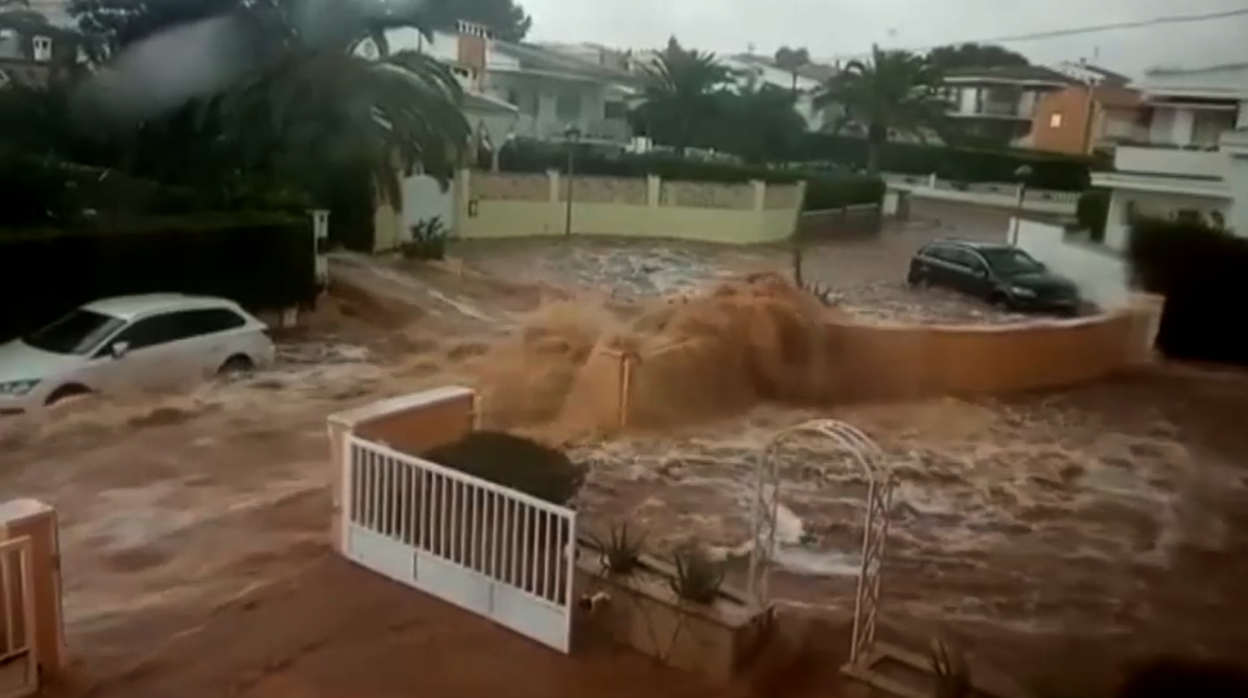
{"x":1001,"y":274}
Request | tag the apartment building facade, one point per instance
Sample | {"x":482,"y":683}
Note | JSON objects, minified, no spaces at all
{"x":998,"y":103}
{"x":1082,"y":120}
{"x":1193,"y":163}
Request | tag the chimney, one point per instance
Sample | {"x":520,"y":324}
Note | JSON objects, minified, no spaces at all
{"x":41,"y":48}
{"x":473,"y":46}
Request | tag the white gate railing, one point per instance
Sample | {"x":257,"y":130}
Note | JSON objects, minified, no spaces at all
{"x":19,"y":665}
{"x":486,"y":548}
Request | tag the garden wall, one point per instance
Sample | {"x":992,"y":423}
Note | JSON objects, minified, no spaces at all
{"x":869,"y":361}
{"x":495,"y":205}
{"x":1099,"y":272}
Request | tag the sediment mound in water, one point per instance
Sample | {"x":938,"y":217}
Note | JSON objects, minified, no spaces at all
{"x":750,"y":339}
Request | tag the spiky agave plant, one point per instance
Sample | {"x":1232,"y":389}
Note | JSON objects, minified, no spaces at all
{"x":698,"y":578}
{"x":621,"y":550}
{"x":953,"y":675}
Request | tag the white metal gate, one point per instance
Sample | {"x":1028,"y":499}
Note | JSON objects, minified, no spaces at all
{"x":19,"y":664}
{"x":488,"y":549}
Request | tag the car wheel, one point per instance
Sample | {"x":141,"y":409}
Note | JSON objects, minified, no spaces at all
{"x":237,"y":365}
{"x":67,"y":394}
{"x":1000,"y":301}
{"x":918,"y":279}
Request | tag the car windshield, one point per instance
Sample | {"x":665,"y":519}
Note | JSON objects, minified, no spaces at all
{"x":1011,"y":261}
{"x":80,"y":333}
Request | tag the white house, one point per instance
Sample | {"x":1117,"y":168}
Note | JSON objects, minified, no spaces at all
{"x":523,"y":89}
{"x":1089,"y":74}
{"x":1194,"y":162}
{"x":807,"y":81}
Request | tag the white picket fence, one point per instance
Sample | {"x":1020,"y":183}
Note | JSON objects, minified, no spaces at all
{"x":488,"y":549}
{"x":19,"y":666}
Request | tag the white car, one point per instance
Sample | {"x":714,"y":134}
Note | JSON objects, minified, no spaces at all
{"x":132,"y":343}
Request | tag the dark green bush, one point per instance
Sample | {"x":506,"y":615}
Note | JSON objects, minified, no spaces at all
{"x":261,"y":260}
{"x":428,"y":240}
{"x":1200,"y":270}
{"x":831,"y":192}
{"x":513,"y":461}
{"x":971,"y":165}
{"x":1092,"y":210}
{"x":524,"y":156}
{"x":35,"y":191}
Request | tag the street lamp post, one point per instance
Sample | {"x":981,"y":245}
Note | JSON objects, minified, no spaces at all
{"x":572,"y":135}
{"x":1022,"y":174}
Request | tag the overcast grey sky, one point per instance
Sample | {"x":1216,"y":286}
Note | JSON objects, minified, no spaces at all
{"x":837,"y":27}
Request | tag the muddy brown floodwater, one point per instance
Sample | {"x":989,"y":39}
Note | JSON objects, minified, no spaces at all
{"x":1056,"y":535}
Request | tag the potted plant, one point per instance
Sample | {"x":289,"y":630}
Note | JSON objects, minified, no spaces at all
{"x":620,"y":552}
{"x":698,"y":578}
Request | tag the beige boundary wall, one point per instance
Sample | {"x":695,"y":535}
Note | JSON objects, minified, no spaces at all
{"x":879,"y":361}
{"x":503,"y":205}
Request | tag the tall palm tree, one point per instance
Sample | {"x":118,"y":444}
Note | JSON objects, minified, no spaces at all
{"x":895,"y":91}
{"x":791,"y":60}
{"x":294,"y":99}
{"x":679,"y":94}
{"x":758,"y":123}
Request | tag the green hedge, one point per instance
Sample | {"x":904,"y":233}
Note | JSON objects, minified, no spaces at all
{"x":543,"y":157}
{"x":261,"y":261}
{"x":1048,"y":171}
{"x":827,"y":192}
{"x":825,"y":187}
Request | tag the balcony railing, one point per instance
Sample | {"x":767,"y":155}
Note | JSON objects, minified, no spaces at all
{"x":1171,"y":161}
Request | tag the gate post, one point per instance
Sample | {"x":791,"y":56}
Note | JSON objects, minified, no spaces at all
{"x":28,"y":532}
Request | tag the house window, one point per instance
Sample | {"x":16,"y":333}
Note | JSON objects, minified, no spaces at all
{"x":615,"y":110}
{"x":1055,"y":120}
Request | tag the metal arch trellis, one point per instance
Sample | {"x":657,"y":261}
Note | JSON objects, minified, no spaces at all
{"x":875,"y":525}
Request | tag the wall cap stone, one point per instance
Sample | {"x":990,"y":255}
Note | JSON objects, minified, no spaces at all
{"x":425,"y":398}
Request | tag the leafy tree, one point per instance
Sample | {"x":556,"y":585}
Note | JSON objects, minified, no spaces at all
{"x":680,"y":95}
{"x":791,"y":59}
{"x":115,"y":24}
{"x":18,"y":16}
{"x":973,"y":55}
{"x":507,"y":18}
{"x":895,"y":91}
{"x":757,"y":123}
{"x":296,"y":104}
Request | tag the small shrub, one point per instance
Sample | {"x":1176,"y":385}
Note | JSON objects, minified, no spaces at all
{"x":513,"y":461}
{"x":1091,"y":212}
{"x":698,"y":578}
{"x":825,"y":192}
{"x":428,"y":240}
{"x":953,"y":675}
{"x":621,"y":552}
